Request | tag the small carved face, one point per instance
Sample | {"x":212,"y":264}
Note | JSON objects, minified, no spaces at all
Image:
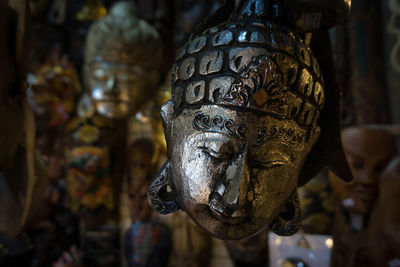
{"x":114,"y":88}
{"x":139,"y":169}
{"x":140,"y":163}
{"x":233,"y":170}
{"x":53,"y":93}
{"x":139,"y":206}
{"x":368,"y":151}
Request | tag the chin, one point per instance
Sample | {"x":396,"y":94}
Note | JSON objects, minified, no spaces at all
{"x":206,"y":219}
{"x":111,"y":110}
{"x":361,"y":208}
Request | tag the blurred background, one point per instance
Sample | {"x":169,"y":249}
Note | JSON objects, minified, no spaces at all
{"x":94,"y":211}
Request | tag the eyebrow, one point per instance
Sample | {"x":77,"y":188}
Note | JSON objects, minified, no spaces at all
{"x":218,"y":124}
{"x":352,"y":154}
{"x":280,"y":154}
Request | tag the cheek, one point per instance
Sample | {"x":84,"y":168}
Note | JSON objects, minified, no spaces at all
{"x":124,"y":94}
{"x":97,"y":91}
{"x":193,"y":175}
{"x":272,"y":188}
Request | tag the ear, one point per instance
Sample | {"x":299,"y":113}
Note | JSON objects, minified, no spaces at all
{"x":161,"y":194}
{"x":314,"y":137}
{"x":167,"y":115}
{"x":328,"y":149}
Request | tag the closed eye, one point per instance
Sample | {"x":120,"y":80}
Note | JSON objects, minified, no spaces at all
{"x":268,"y":164}
{"x":214,"y":154}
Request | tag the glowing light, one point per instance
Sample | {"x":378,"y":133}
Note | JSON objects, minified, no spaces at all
{"x":277,"y":241}
{"x":329,"y":243}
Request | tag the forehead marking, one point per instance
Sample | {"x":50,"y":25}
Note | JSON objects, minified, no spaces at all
{"x":218,"y":124}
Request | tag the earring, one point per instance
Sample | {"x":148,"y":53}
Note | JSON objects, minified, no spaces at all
{"x":161,"y":196}
{"x":288,"y":222}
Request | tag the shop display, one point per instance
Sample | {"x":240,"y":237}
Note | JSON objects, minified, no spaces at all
{"x":147,"y":242}
{"x":22,"y":177}
{"x":89,"y":180}
{"x":368,"y":152}
{"x":121,"y":73}
{"x":299,"y":250}
{"x":53,"y":90}
{"x":255,"y":126}
{"x":247,"y":96}
{"x":122,"y":61}
{"x":92,"y":183}
{"x":385,"y":219}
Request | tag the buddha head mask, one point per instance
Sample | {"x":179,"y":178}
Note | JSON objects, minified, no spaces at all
{"x":246,"y":100}
{"x":122,"y":61}
{"x":368,"y":151}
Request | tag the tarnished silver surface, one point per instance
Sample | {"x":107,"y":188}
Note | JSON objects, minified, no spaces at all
{"x":161,"y":185}
{"x":288,"y":222}
{"x":114,"y":87}
{"x":122,"y":61}
{"x":246,"y":99}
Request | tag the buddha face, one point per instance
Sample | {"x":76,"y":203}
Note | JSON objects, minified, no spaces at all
{"x":114,"y":88}
{"x":123,"y":56}
{"x":242,"y":120}
{"x":233,"y":170}
{"x":368,"y":151}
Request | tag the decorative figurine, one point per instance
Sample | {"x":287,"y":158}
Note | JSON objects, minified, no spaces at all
{"x":54,"y":90}
{"x":141,"y":165}
{"x":91,"y":11}
{"x":368,"y":152}
{"x":121,"y":72}
{"x":89,"y":178}
{"x":247,"y":96}
{"x":147,"y":242}
{"x":91,"y":184}
{"x":384,"y":249}
{"x":122,"y":62}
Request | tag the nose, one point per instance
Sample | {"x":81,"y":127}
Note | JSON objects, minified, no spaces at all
{"x":112,"y":86}
{"x":230,"y":196}
{"x":237,"y":181}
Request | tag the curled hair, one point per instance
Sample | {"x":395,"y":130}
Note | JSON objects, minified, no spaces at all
{"x":128,"y":36}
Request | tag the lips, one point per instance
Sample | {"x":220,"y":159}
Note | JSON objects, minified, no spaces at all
{"x":365,"y":193}
{"x":227,"y":214}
